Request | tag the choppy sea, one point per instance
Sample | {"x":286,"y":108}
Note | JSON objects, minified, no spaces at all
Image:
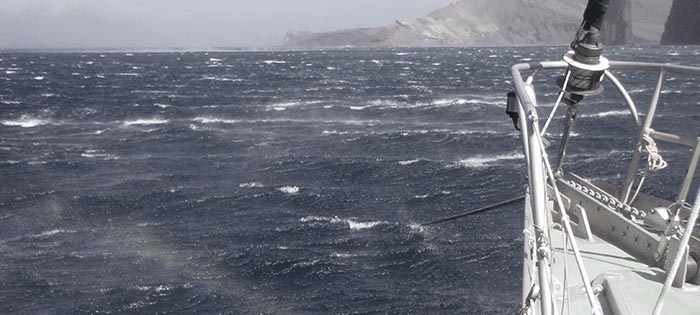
{"x":287,"y":182}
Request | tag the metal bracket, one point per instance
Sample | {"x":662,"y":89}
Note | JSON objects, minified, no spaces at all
{"x":583,"y":228}
{"x":681,"y":275}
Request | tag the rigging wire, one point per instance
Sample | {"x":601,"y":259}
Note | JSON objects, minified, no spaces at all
{"x":556,"y":105}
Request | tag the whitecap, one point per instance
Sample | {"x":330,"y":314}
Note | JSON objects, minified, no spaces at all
{"x":39,"y":78}
{"x":387,"y":103}
{"x":417,"y":227}
{"x":334,"y":132}
{"x":214,"y":59}
{"x":10,"y":72}
{"x":151,"y":121}
{"x":291,"y":190}
{"x":25,"y":121}
{"x":409,"y":162}
{"x":158,"y":288}
{"x":50,"y":233}
{"x":450,"y":102}
{"x":147,"y":224}
{"x":251,"y":185}
{"x":221,"y":79}
{"x":212,"y":120}
{"x":91,"y":154}
{"x":354,"y":225}
{"x":483,"y":161}
{"x":273,"y":62}
{"x":128,"y":74}
{"x":610,"y":113}
{"x":313,"y":218}
{"x":282,"y":106}
{"x":350,"y":223}
{"x":162,"y":105}
{"x":343,"y":255}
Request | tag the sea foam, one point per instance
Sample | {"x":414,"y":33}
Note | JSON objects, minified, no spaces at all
{"x":484,"y":161}
{"x":291,"y":190}
{"x":25,"y":121}
{"x":351,"y":223}
{"x":151,"y":121}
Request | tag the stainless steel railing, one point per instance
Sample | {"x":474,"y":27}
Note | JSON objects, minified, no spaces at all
{"x":539,"y":169}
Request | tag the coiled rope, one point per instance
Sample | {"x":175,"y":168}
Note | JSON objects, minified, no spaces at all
{"x":655,"y":162}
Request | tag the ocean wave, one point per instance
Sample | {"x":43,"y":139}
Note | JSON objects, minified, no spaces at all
{"x":274,"y":62}
{"x":39,"y":78}
{"x":221,"y":79}
{"x":147,"y":224}
{"x":25,"y":121}
{"x":351,"y":223}
{"x":610,"y":113}
{"x":146,"y":121}
{"x":446,"y":131}
{"x":214,"y":120}
{"x":290,"y":190}
{"x":49,"y":233}
{"x":282,"y":106}
{"x":438,"y":103}
{"x":484,"y":161}
{"x":416,"y":227}
{"x":98,"y":154}
{"x":156,"y":288}
{"x":251,"y":185}
{"x":334,"y":132}
{"x":343,"y":255}
{"x":409,"y":162}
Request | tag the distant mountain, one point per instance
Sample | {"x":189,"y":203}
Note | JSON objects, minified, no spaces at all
{"x":683,"y":25}
{"x":497,"y":22}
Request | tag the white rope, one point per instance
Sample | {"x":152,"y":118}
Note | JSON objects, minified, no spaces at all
{"x":655,"y":162}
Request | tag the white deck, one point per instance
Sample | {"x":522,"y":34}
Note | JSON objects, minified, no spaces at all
{"x":633,"y":285}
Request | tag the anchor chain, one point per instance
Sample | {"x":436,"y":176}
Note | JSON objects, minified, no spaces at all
{"x":608,"y":200}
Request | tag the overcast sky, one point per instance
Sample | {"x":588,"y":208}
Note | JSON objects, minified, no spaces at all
{"x":188,"y":23}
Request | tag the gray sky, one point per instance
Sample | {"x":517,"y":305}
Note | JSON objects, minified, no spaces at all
{"x":188,"y":23}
